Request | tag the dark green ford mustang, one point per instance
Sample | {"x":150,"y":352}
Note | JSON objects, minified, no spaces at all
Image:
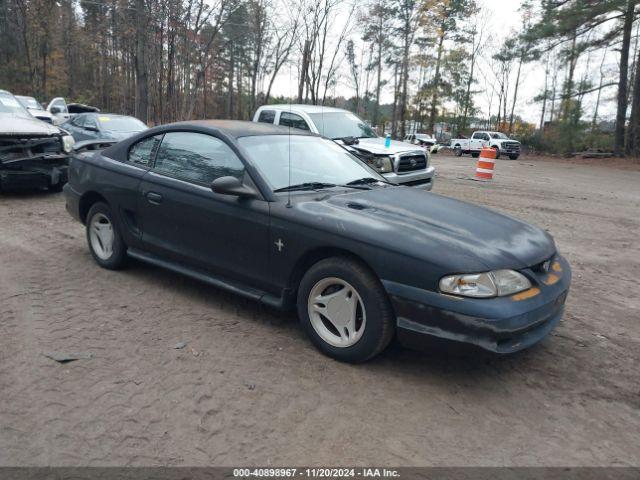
{"x":293,"y":220}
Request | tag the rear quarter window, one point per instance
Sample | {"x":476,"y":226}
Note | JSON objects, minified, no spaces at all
{"x":267,"y":116}
{"x":142,"y":152}
{"x":293,"y":120}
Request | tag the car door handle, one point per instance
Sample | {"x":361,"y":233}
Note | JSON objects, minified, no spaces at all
{"x":154,"y":198}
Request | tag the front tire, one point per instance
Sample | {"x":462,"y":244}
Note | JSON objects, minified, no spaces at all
{"x":497,"y":152}
{"x":345,"y":310}
{"x":104,"y":239}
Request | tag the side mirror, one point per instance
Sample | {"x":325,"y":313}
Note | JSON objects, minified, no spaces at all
{"x":91,"y":128}
{"x":232,"y":186}
{"x":56,"y":110}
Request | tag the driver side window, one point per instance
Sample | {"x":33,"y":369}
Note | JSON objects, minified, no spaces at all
{"x":197,"y":158}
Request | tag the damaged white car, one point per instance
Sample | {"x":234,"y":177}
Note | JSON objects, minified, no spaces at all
{"x":33,"y":154}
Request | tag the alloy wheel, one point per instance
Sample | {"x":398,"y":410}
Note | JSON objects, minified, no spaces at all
{"x":101,"y":236}
{"x":336,"y":312}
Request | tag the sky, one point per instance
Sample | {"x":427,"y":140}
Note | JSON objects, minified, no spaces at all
{"x":504,"y":21}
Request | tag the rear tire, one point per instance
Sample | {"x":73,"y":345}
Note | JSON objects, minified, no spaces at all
{"x":104,"y":238}
{"x":345,"y":310}
{"x":457,"y":151}
{"x":475,"y":154}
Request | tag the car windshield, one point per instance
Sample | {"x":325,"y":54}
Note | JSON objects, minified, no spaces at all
{"x":498,"y":135}
{"x":113,"y":123}
{"x":341,"y":125}
{"x":9,"y":104}
{"x":313,"y":160}
{"x":423,"y":136}
{"x":30,"y":102}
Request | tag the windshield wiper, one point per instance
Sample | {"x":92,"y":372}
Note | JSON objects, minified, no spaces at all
{"x":305,"y":186}
{"x":365,"y":181}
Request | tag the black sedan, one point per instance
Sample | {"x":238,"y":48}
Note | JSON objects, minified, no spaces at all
{"x":292,"y":220}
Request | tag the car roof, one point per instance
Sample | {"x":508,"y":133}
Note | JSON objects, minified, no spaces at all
{"x":303,"y":108}
{"x":240,"y":128}
{"x":102,"y":114}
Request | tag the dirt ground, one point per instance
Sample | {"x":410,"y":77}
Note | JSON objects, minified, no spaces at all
{"x":249,"y":389}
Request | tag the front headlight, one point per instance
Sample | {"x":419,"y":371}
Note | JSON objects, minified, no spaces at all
{"x":382,"y":164}
{"x":485,"y":285}
{"x":510,"y":282}
{"x":67,"y":143}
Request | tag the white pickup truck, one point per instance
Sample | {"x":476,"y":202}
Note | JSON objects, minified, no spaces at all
{"x":400,"y":162}
{"x":502,"y":144}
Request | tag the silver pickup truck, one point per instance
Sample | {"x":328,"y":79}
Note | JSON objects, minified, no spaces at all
{"x":401,"y":163}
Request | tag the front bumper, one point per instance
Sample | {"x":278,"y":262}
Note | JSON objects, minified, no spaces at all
{"x":34,"y":176}
{"x":419,"y":179}
{"x":510,"y":150}
{"x":500,"y":325}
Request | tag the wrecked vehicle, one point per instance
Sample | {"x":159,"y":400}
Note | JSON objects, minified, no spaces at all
{"x":33,"y":154}
{"x":35,"y":108}
{"x":61,"y":111}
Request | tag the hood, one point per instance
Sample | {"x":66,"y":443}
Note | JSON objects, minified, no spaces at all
{"x":120,"y":135}
{"x":40,"y":113}
{"x":376,"y":146}
{"x":16,"y":125}
{"x":456,"y":236}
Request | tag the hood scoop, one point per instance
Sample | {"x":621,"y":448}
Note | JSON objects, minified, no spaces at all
{"x":358,"y":206}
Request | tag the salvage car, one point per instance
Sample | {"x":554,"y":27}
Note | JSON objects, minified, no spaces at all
{"x":292,"y":220}
{"x":62,"y":112}
{"x":399,"y":162}
{"x":35,"y":109}
{"x":424,"y":140}
{"x":102,"y":126}
{"x":421,"y":139}
{"x":33,"y":154}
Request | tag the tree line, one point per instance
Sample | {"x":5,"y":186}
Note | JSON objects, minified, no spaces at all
{"x":404,"y":65}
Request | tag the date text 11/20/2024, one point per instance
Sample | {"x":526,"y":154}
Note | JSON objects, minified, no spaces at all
{"x":315,"y":473}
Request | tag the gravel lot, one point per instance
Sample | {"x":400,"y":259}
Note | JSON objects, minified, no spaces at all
{"x":250,"y":389}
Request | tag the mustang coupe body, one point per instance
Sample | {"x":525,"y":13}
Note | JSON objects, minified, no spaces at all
{"x":291,"y":219}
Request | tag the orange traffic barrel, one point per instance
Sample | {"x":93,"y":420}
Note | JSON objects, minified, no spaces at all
{"x":486,"y":162}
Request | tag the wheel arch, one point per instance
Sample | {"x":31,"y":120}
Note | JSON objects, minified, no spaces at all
{"x":315,"y":255}
{"x":87,"y":200}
